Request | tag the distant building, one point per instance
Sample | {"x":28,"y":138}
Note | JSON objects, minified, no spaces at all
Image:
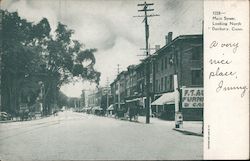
{"x":83,"y":104}
{"x":97,"y":100}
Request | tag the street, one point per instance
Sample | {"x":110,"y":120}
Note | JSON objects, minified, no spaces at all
{"x":78,"y":136}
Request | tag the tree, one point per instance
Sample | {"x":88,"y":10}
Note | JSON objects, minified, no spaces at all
{"x":18,"y":59}
{"x":32,"y":55}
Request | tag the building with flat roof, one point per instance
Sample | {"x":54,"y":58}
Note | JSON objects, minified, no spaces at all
{"x":183,"y":57}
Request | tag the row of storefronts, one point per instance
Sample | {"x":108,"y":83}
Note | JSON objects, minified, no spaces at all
{"x":182,"y":58}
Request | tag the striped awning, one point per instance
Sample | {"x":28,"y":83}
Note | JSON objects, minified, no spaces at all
{"x":111,"y":107}
{"x":96,"y":108}
{"x":166,"y":98}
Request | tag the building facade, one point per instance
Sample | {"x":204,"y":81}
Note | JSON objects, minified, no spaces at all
{"x":183,"y":57}
{"x":83,"y":104}
{"x":99,"y":100}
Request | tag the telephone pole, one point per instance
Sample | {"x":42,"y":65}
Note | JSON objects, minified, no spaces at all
{"x":107,"y":90}
{"x":1,"y":20}
{"x":119,"y":96}
{"x":145,"y":9}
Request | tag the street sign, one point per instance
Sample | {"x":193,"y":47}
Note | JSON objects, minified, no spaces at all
{"x":192,"y":97}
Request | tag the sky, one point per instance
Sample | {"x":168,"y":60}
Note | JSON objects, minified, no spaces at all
{"x":109,"y":26}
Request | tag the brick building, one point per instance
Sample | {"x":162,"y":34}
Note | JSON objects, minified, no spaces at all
{"x":182,"y":56}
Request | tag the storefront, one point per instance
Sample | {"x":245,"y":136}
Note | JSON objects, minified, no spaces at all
{"x":192,"y":104}
{"x":163,"y":107}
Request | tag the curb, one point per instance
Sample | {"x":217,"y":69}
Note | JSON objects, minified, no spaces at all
{"x":9,"y":121}
{"x":188,"y":132}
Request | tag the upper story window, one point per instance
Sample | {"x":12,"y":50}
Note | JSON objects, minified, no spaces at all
{"x":156,"y":85}
{"x":171,"y":59}
{"x":171,"y":82}
{"x":165,"y":83}
{"x":196,"y":53}
{"x":197,"y":77}
{"x":156,"y":67}
{"x":166,"y":62}
{"x":162,"y":64}
{"x":162,"y":84}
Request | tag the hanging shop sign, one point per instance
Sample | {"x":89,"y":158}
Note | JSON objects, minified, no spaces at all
{"x":192,"y":97}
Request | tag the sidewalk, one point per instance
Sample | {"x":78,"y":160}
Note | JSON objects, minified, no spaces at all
{"x":18,"y":120}
{"x":191,"y":128}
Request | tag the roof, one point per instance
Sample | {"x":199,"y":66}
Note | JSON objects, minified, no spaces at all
{"x":181,"y":37}
{"x":156,"y":53}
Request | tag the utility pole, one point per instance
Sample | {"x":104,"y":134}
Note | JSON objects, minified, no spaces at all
{"x":119,"y":97}
{"x":1,"y":19}
{"x":107,"y":90}
{"x":145,"y":9}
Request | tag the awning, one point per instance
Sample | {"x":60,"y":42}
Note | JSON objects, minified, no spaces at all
{"x":121,"y":103}
{"x":96,"y":108}
{"x":111,"y":107}
{"x":166,"y":98}
{"x":132,"y":100}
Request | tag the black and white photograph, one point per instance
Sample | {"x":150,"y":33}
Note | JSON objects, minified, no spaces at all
{"x":102,"y":80}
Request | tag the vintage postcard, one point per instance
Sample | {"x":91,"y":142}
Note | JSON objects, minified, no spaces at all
{"x":124,"y":79}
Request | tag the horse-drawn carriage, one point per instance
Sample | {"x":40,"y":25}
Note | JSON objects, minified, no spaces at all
{"x":129,"y":113}
{"x":133,"y":112}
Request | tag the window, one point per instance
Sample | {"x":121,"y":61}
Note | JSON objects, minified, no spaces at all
{"x":171,"y":60}
{"x":162,"y":64}
{"x":171,"y":83}
{"x":165,"y":83}
{"x":162,"y":84}
{"x":166,"y":62}
{"x":156,"y":85}
{"x":150,"y":68}
{"x":196,"y":53}
{"x":156,"y":66}
{"x":197,"y":78}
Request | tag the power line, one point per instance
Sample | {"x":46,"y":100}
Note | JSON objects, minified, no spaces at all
{"x":145,"y":20}
{"x":146,"y":9}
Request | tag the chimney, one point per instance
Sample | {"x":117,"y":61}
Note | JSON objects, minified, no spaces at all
{"x":168,"y":37}
{"x":170,"y":34}
{"x":157,"y":47}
